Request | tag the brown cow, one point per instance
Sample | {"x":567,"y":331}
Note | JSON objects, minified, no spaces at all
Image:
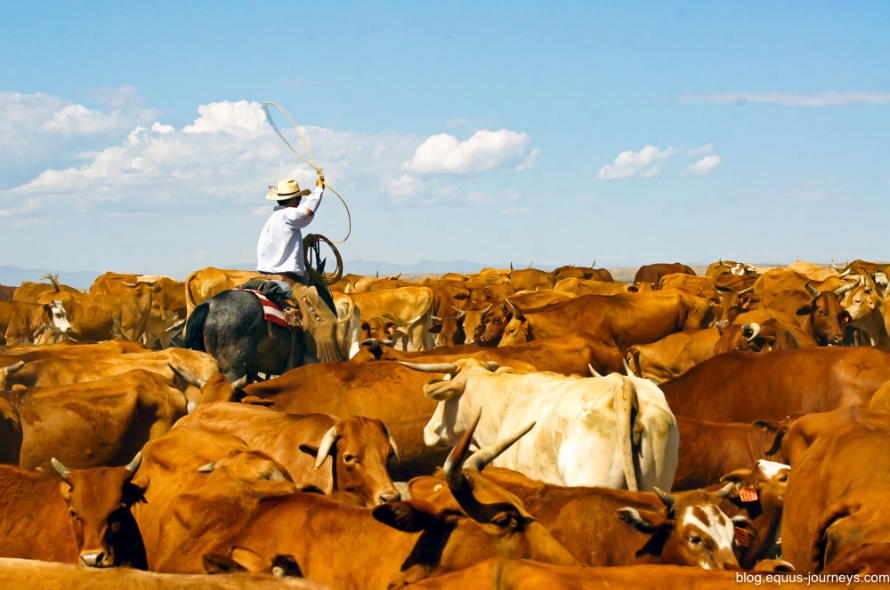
{"x":709,"y":450}
{"x":866,"y":311}
{"x":354,"y":547}
{"x":385,"y":391}
{"x":686,"y":528}
{"x":838,"y":493}
{"x":179,"y":461}
{"x":409,"y":307}
{"x":30,"y":291}
{"x":673,"y":355}
{"x":652,"y":273}
{"x":572,"y":354}
{"x":27,"y":573}
{"x":316,"y":449}
{"x":530,"y":575}
{"x":48,"y":372}
{"x":23,"y":323}
{"x":71,"y":515}
{"x":495,"y":319}
{"x":588,"y":287}
{"x":585,"y":273}
{"x":730,"y":267}
{"x":103,"y":317}
{"x":758,"y":494}
{"x":747,"y":386}
{"x":619,"y":320}
{"x":762,"y":331}
{"x":103,"y":422}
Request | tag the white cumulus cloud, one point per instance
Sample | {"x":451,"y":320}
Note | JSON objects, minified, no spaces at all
{"x":645,"y":163}
{"x":705,"y":165}
{"x":485,"y":150}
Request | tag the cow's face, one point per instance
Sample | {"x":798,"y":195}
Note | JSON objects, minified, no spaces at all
{"x":860,"y":302}
{"x":58,"y":317}
{"x":379,"y":328}
{"x":493,"y":324}
{"x":693,"y":531}
{"x":827,"y":318}
{"x":360,"y":448}
{"x":515,"y":331}
{"x":99,"y":501}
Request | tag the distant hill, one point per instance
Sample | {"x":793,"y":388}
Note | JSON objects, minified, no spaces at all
{"x":14,"y":276}
{"x":11,"y":275}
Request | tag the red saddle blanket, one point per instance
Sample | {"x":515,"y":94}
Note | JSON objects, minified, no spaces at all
{"x":271,"y":312}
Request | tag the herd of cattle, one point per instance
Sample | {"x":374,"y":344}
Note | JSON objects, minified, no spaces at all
{"x":555,"y":429}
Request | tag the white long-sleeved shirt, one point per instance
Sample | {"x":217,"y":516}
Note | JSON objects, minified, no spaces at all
{"x":280,"y":248}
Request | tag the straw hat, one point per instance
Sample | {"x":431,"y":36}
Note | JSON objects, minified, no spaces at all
{"x":286,"y":189}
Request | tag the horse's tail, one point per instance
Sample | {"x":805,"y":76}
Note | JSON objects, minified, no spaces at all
{"x":194,"y":328}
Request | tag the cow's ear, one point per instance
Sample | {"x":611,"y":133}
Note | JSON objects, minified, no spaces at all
{"x":134,"y":490}
{"x":766,"y":426}
{"x":65,"y":489}
{"x":738,"y":477}
{"x":435,"y":329}
{"x":219,"y":563}
{"x":309,"y":449}
{"x":645,"y":521}
{"x":441,"y":390}
{"x":805,"y":310}
{"x":409,"y":516}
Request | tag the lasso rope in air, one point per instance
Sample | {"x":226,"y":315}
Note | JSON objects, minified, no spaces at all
{"x":313,"y":163}
{"x":312,"y":242}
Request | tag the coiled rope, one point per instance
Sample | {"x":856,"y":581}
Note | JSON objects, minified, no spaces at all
{"x":312,"y":242}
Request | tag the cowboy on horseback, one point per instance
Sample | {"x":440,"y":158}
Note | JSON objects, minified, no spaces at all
{"x":280,"y":251}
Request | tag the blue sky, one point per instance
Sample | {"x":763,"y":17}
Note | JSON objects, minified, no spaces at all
{"x":133,"y":137}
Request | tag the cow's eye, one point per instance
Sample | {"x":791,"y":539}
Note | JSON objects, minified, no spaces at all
{"x":694,"y":540}
{"x":349,"y":458}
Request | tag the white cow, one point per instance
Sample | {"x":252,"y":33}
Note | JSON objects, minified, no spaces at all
{"x":612,"y":431}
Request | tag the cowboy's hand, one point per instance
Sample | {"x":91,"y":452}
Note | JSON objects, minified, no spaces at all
{"x":320,"y":181}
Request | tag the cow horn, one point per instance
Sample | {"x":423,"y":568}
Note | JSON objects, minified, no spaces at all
{"x":460,"y":312}
{"x":324,"y":448}
{"x":487,"y":309}
{"x":392,"y":442}
{"x":452,"y":468}
{"x":133,"y":465}
{"x":666,"y":498}
{"x":845,"y":273}
{"x":208,"y":468}
{"x":436,"y":318}
{"x":239,"y":383}
{"x":188,"y":376}
{"x":449,"y":368}
{"x":13,"y":368}
{"x":593,"y":265}
{"x":593,"y":371}
{"x":743,"y":291}
{"x":60,"y":469}
{"x":847,"y":287}
{"x":724,"y":491}
{"x":721,"y":263}
{"x":832,"y":266}
{"x":752,"y":328}
{"x":511,"y":265}
{"x":628,"y":370}
{"x":811,"y":289}
{"x":483,"y":457}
